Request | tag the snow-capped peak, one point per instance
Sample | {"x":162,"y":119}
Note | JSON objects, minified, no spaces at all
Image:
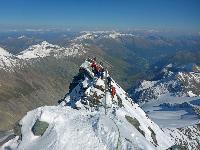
{"x":39,"y":50}
{"x":116,"y":35}
{"x":90,"y":118}
{"x":21,"y":37}
{"x":45,"y":49}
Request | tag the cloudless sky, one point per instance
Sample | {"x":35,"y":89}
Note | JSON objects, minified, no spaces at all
{"x":164,"y":14}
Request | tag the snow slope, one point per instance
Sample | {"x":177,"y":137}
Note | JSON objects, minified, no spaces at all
{"x":7,"y":60}
{"x":45,"y":49}
{"x":87,"y":118}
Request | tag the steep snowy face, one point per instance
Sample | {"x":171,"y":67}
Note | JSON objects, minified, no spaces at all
{"x":45,"y":49}
{"x":90,"y":118}
{"x":175,"y":82}
{"x":6,"y":60}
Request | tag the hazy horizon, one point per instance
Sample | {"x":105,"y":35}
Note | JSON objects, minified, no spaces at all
{"x":175,"y":15}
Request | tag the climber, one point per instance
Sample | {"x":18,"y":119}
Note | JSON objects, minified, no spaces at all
{"x":113,"y":91}
{"x":101,"y":72}
{"x":97,"y":71}
{"x":109,"y":81}
{"x":89,"y":60}
{"x":94,"y":66}
{"x":95,"y":59}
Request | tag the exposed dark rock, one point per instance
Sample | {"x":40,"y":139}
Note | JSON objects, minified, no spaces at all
{"x":39,"y":127}
{"x":135,"y":123}
{"x":153,"y":135}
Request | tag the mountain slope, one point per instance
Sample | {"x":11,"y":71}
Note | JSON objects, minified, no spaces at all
{"x":189,"y":136}
{"x":171,"y":99}
{"x":33,"y":82}
{"x":45,"y":49}
{"x":182,"y":81}
{"x":6,"y":59}
{"x":80,"y":122}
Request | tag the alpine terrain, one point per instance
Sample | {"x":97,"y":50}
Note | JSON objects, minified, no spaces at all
{"x":89,"y":117}
{"x":171,"y":99}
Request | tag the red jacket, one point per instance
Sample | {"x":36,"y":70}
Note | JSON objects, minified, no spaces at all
{"x":113,"y":91}
{"x":93,"y":65}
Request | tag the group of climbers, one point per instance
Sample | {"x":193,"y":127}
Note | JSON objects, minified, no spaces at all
{"x":98,"y":71}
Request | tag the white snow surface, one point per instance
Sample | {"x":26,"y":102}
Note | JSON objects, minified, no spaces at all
{"x":7,"y":60}
{"x":89,"y":128}
{"x":191,"y":94}
{"x":172,"y":117}
{"x":45,"y":49}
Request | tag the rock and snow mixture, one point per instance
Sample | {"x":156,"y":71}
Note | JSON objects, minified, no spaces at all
{"x":44,"y":49}
{"x":89,"y":119}
{"x":183,"y":82}
{"x":92,"y":35}
{"x":173,"y":102}
{"x":187,"y":136}
{"x":7,"y":60}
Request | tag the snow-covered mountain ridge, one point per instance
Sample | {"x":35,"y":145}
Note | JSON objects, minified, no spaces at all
{"x":173,"y":81}
{"x":91,"y":35}
{"x":44,"y":49}
{"x":80,"y":121}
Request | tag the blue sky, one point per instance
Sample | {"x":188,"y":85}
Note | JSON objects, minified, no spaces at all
{"x":163,"y":14}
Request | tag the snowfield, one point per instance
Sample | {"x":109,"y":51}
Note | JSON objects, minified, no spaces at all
{"x":74,"y":129}
{"x":178,"y":113}
{"x":80,"y":122}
